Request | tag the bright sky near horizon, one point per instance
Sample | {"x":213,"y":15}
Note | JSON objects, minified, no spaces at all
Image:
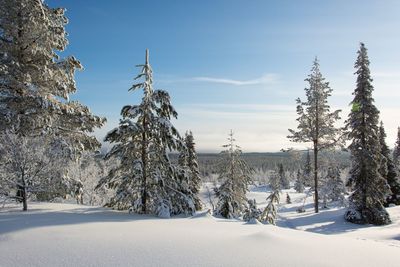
{"x":236,"y":65}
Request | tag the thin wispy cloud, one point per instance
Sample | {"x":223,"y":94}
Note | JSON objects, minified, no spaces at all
{"x":268,"y":78}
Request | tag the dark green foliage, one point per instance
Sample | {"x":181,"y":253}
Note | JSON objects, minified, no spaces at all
{"x":396,"y":150}
{"x":288,"y":199}
{"x":389,"y":171}
{"x":369,"y":187}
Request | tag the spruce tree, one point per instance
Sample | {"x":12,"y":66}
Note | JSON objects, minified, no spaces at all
{"x":189,"y":162}
{"x":145,"y":180}
{"x":388,"y":170}
{"x":35,"y":82}
{"x":369,"y":187}
{"x":299,"y":184}
{"x":316,"y":122}
{"x":270,"y":212}
{"x":332,"y":186}
{"x":235,"y":176}
{"x":285,"y":184}
{"x":396,"y":150}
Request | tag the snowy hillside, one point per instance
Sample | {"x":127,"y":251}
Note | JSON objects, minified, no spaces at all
{"x":76,"y":235}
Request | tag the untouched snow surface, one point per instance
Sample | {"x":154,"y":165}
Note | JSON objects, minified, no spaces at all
{"x":74,"y":235}
{"x":329,"y":221}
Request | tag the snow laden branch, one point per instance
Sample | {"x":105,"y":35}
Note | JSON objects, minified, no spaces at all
{"x":145,"y":180}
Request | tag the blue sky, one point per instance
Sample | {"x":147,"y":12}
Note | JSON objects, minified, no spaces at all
{"x":233,"y":64}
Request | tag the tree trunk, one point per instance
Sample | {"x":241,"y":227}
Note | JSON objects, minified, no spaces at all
{"x":24,"y":200}
{"x":316,"y":176}
{"x":24,"y":194}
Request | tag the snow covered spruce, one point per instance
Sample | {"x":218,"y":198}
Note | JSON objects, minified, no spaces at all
{"x":370,"y":188}
{"x":145,"y":180}
{"x":389,"y":171}
{"x":235,"y":177}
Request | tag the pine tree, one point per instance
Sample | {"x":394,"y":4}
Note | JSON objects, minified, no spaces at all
{"x":299,"y":184}
{"x":316,"y":122}
{"x":369,"y":187}
{"x":35,"y":82}
{"x":332,"y":186}
{"x":188,"y":161}
{"x":388,"y":170}
{"x":235,"y":176}
{"x":145,"y":180}
{"x":271,"y":210}
{"x":396,"y":150}
{"x":283,"y":178}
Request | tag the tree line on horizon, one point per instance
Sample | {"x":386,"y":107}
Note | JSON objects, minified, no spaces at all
{"x":47,"y":151}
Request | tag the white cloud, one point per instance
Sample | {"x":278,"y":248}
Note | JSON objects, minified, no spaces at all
{"x":268,"y":78}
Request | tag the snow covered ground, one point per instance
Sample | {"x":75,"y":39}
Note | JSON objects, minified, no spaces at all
{"x":72,"y":235}
{"x":329,"y":221}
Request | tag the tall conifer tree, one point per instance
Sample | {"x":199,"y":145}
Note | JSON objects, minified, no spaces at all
{"x":369,"y":186}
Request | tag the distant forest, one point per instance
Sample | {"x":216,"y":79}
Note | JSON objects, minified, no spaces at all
{"x":264,"y":162}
